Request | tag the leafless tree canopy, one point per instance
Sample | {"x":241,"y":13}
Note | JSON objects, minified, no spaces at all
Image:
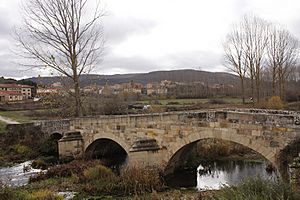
{"x":256,"y":48}
{"x":283,"y":50}
{"x":57,"y":34}
{"x":234,"y":53}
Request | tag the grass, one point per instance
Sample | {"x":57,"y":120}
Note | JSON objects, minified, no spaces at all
{"x":2,"y":127}
{"x":258,"y":189}
{"x":19,"y":116}
{"x":23,"y":116}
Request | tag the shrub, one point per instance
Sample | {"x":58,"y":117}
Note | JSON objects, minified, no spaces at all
{"x":99,"y":172}
{"x":65,"y":170}
{"x":257,"y":188}
{"x":275,"y":103}
{"x":39,"y":164}
{"x":10,"y":193}
{"x":22,"y":149}
{"x":99,"y":180}
{"x":139,"y":180}
{"x":43,"y":194}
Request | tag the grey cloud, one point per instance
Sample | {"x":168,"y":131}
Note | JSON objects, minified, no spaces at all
{"x":295,"y":28}
{"x":133,"y":64}
{"x":184,"y":60}
{"x":118,"y":29}
{"x":5,"y":23}
{"x":203,"y":60}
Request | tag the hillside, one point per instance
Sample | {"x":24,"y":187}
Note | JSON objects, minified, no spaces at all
{"x":189,"y":75}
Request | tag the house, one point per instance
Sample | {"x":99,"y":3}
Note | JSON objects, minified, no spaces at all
{"x":106,"y":90}
{"x":24,"y":90}
{"x":6,"y":96}
{"x":47,"y":91}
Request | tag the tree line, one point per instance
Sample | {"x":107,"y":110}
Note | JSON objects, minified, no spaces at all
{"x":257,"y":50}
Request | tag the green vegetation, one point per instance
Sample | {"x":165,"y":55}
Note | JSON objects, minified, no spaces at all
{"x":19,"y":194}
{"x":258,"y":189}
{"x":16,"y":148}
{"x":19,"y":116}
{"x":90,"y":178}
{"x":2,"y":127}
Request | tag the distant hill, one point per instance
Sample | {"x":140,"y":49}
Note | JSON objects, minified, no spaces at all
{"x":187,"y":75}
{"x":13,"y":81}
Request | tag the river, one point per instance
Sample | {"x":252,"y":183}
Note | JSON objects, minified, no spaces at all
{"x":16,"y":175}
{"x":215,"y":174}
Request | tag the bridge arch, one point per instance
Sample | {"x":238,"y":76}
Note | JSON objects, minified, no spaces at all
{"x":56,"y":135}
{"x":111,"y":150}
{"x":108,"y":136}
{"x":174,"y":154}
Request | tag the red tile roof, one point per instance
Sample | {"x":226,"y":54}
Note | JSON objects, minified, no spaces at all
{"x":4,"y":92}
{"x":14,"y":86}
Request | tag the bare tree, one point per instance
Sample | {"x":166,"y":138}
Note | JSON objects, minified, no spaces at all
{"x":282,"y":57}
{"x":59,"y":35}
{"x":273,"y":52}
{"x":234,"y":53}
{"x":256,"y":39}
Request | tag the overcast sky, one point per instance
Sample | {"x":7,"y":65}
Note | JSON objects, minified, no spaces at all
{"x":149,"y":35}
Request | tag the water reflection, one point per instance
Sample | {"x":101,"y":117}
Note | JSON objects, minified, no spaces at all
{"x":214,"y":175}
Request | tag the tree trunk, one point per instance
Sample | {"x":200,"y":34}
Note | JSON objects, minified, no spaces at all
{"x":243,"y":90}
{"x":78,"y":105}
{"x":257,"y":84}
{"x":282,"y":90}
{"x":273,"y":82}
{"x":252,"y":84}
{"x":280,"y":76}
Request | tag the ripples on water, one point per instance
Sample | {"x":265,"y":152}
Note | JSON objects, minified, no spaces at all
{"x":15,"y":176}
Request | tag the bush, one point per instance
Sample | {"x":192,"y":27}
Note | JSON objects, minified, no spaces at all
{"x":39,"y":164}
{"x":10,"y":193}
{"x":44,"y":194}
{"x":99,"y":180}
{"x":22,"y":149}
{"x":139,"y":180}
{"x":257,"y":188}
{"x":99,"y":172}
{"x":275,"y":103}
{"x":75,"y":167}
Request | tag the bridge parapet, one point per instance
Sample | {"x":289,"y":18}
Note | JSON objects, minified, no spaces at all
{"x":242,"y":116}
{"x":54,"y":126}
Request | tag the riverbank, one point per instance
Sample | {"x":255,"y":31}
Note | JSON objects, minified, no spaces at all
{"x":91,"y":180}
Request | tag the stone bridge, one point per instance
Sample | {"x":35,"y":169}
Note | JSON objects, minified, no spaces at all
{"x":165,"y":138}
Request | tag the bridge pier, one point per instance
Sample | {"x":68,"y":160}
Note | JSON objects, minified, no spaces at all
{"x":71,"y":145}
{"x":146,"y":158}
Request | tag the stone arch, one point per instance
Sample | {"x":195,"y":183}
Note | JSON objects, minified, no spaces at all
{"x":57,"y":135}
{"x":109,"y":136}
{"x":267,"y":152}
{"x":112,"y":151}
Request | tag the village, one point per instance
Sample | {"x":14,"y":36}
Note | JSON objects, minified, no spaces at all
{"x":165,"y":88}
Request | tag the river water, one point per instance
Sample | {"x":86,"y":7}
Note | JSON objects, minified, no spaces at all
{"x":215,"y":174}
{"x":16,"y":175}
